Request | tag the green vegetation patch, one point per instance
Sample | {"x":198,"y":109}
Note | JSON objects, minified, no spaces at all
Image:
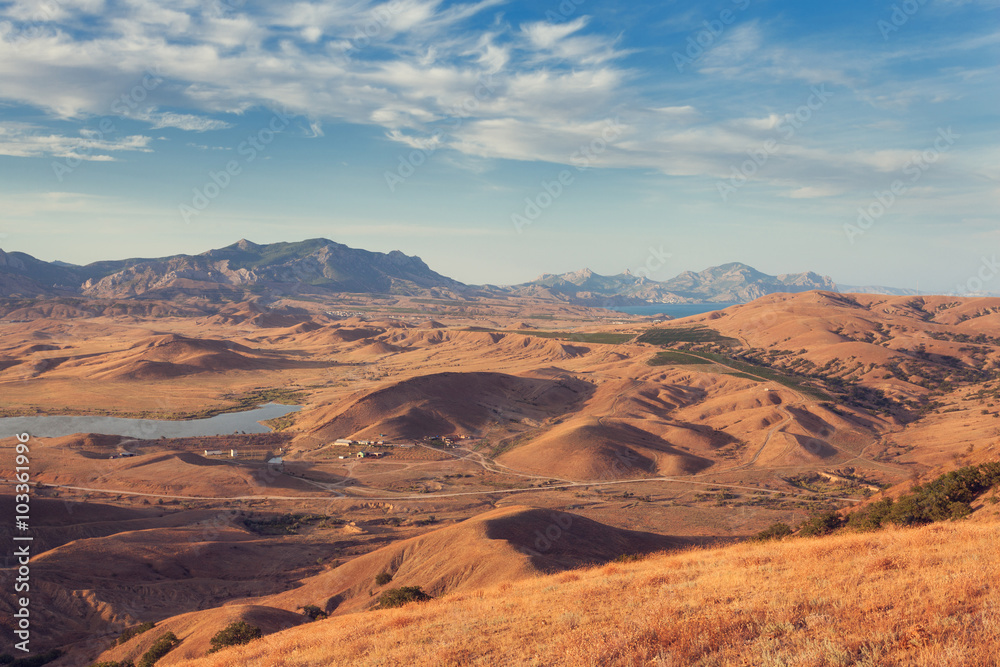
{"x":774,"y":532}
{"x":282,"y":423}
{"x":284,"y":524}
{"x":235,"y":634}
{"x":134,"y":631}
{"x":260,"y":397}
{"x":313,"y":612}
{"x":163,"y":646}
{"x":601,"y":338}
{"x":670,"y":335}
{"x":397,"y":597}
{"x":672,"y":358}
{"x":948,"y":497}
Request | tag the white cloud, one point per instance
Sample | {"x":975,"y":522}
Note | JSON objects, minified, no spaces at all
{"x":534,"y":91}
{"x":24,"y":140}
{"x":182,"y":121}
{"x":546,"y":35}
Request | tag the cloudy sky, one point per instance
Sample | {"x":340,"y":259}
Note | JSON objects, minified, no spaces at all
{"x":499,"y":140}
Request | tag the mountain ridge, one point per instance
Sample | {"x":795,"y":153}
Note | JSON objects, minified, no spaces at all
{"x":320,"y":266}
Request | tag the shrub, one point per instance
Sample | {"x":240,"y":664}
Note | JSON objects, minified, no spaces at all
{"x":774,"y":532}
{"x":234,"y":634}
{"x":160,"y":648}
{"x":948,"y":497}
{"x":397,"y":597}
{"x":313,"y":612}
{"x":134,"y":631}
{"x":629,"y":558}
{"x":872,"y":517}
{"x":114,"y":663}
{"x":821,"y":524}
{"x":382,"y":578}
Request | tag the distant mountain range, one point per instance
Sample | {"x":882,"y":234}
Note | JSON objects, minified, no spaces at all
{"x":732,"y":283}
{"x":321,"y":266}
{"x":314,"y":266}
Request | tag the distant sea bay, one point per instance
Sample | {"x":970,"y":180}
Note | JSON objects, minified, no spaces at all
{"x":674,"y":310}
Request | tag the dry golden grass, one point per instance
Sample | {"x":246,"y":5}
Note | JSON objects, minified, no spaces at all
{"x":900,"y":597}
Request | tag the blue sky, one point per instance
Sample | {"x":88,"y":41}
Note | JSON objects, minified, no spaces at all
{"x":499,"y":140}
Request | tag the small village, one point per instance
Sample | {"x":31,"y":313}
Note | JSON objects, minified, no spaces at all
{"x":440,"y":441}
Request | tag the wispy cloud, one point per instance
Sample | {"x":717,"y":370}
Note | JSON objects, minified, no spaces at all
{"x":25,"y":140}
{"x":463,"y":77}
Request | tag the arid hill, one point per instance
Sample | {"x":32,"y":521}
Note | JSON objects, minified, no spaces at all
{"x":897,"y":597}
{"x":498,"y":547}
{"x":447,"y":404}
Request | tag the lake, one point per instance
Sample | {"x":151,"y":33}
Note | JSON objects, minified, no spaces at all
{"x":146,"y":429}
{"x":674,"y":310}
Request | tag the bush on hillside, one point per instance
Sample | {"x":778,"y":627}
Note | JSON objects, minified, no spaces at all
{"x":871,"y":517}
{"x":134,"y":631}
{"x":382,"y":578}
{"x":313,"y":612}
{"x":397,"y":597}
{"x":774,"y":532}
{"x":234,"y":634}
{"x":160,"y":648}
{"x":823,"y":523}
{"x":949,"y":496}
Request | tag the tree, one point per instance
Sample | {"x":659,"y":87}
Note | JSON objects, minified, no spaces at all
{"x":164,"y":645}
{"x":313,"y":612}
{"x":397,"y":597}
{"x":773,"y":532}
{"x":234,"y":634}
{"x":821,"y":524}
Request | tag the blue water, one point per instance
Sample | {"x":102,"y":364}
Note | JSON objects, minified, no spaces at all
{"x":146,"y":429}
{"x":674,"y":310}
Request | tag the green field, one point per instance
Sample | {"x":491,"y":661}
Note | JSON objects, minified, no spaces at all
{"x":668,"y":335}
{"x":740,"y":368}
{"x":602,"y":338}
{"x":671,"y":358}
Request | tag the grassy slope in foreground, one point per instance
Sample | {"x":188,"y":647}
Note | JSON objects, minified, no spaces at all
{"x":921,"y":596}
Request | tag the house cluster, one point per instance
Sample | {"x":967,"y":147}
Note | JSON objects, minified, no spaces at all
{"x":221,"y":452}
{"x":363,"y":455}
{"x":447,"y":440}
{"x":364,"y":443}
